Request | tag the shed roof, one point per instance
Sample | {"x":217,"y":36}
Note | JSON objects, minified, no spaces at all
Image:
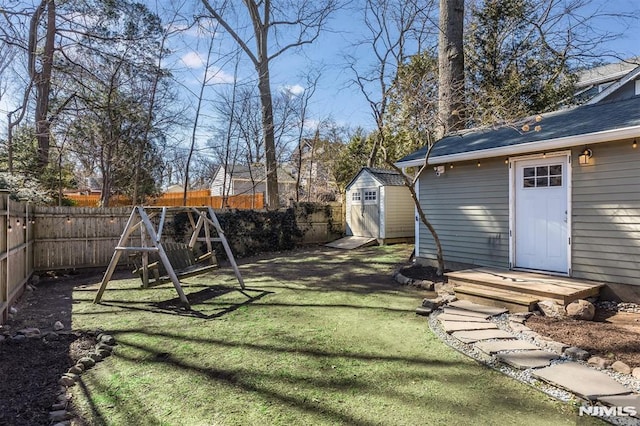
{"x":384,"y":176}
{"x":586,"y":124}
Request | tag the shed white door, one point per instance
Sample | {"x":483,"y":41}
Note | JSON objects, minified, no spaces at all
{"x":365,"y":212}
{"x":541,"y":199}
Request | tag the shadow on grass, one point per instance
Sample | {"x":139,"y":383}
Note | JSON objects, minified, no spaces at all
{"x":174,"y":306}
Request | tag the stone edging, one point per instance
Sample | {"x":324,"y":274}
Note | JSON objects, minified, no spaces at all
{"x":59,"y":414}
{"x":404,"y":280}
{"x":515,"y":324}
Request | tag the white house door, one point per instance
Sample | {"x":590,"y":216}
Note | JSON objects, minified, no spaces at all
{"x":541,"y":214}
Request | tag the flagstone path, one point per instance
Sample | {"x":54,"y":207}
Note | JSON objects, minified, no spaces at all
{"x":470,"y":323}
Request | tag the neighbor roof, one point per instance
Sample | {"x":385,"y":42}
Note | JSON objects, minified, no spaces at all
{"x":255,"y":173}
{"x":385,"y":177}
{"x":587,"y":124}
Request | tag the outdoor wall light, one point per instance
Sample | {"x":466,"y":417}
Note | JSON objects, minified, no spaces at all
{"x":634,"y":145}
{"x":439,"y":170}
{"x":478,"y":164}
{"x":585,"y":155}
{"x":68,"y":219}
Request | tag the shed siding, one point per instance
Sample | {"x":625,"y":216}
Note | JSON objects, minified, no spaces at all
{"x":365,"y":180}
{"x":398,"y":212}
{"x":469,"y":208}
{"x":606,"y":214}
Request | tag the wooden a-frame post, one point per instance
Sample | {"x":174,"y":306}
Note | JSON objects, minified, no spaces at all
{"x":151,"y":242}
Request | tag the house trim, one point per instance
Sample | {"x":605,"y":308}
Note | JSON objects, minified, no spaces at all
{"x":527,"y":147}
{"x":512,"y":207}
{"x":417,"y":224}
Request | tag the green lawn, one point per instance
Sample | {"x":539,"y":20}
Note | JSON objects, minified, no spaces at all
{"x":318,"y":337}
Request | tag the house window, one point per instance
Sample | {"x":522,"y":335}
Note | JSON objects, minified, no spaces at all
{"x":370,"y":195}
{"x":542,"y":176}
{"x":355,"y":196}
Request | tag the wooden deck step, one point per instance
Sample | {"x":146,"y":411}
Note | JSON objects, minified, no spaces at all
{"x":514,"y":301}
{"x":564,"y":290}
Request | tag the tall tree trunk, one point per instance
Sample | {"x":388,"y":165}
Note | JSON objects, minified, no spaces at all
{"x":450,"y":68}
{"x":40,"y":74}
{"x":271,"y":165}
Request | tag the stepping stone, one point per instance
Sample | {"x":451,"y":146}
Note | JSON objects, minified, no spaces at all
{"x":581,"y":380}
{"x":472,"y":336}
{"x":464,"y":312}
{"x":527,"y":359}
{"x":451,"y":326}
{"x":505,"y":345}
{"x":453,"y":317}
{"x":470,"y":306}
{"x":623,"y":401}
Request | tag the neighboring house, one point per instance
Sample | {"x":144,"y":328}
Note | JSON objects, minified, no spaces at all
{"x":240,"y":179}
{"x":563,"y":200}
{"x":312,"y":160}
{"x":379,"y":206}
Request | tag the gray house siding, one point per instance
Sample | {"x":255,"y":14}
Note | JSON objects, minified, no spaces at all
{"x":469,"y":208}
{"x":606,"y":214}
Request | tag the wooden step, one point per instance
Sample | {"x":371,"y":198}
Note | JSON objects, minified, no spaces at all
{"x":514,"y":301}
{"x":563,"y":290}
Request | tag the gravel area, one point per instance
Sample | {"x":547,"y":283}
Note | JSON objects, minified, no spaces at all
{"x":524,"y":376}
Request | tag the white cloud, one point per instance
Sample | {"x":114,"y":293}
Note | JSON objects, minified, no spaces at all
{"x":192,"y":60}
{"x":295,"y":90}
{"x":218,"y":76}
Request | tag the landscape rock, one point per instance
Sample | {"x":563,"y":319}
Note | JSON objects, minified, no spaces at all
{"x":599,"y":362}
{"x":636,"y":372}
{"x":421,"y":310}
{"x":621,"y":367}
{"x":58,"y":326}
{"x":401,"y":279}
{"x":76,"y":369}
{"x":104,"y":346}
{"x":103,"y":353}
{"x":30,"y":332}
{"x":432,"y":303}
{"x":87,"y":362}
{"x":551,"y":308}
{"x":107,"y":339}
{"x":19,"y":337}
{"x":29,"y":287}
{"x":13,"y":310}
{"x":2,"y":338}
{"x":95,"y":356}
{"x":518,"y":327}
{"x":66,"y":381}
{"x":59,"y":406}
{"x":581,"y":310}
{"x":59,"y":416}
{"x":576,"y":353}
{"x":448,"y":298}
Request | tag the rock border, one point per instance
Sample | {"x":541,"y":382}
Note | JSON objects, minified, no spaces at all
{"x":404,"y":280}
{"x":515,"y":324}
{"x":59,"y":414}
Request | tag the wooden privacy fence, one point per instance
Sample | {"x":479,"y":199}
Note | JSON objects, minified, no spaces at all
{"x":16,"y":259}
{"x":41,"y":238}
{"x":194,"y":198}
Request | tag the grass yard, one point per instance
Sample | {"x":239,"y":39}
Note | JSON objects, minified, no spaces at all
{"x":319,"y":337}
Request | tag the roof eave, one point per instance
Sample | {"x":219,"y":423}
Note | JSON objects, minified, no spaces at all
{"x":545,"y":145}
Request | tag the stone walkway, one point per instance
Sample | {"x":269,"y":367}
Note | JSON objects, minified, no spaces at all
{"x":471,"y":324}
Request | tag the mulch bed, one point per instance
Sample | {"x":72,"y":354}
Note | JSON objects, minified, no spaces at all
{"x":30,"y":368}
{"x":605,"y":337}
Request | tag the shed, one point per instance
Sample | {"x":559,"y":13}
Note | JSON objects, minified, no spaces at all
{"x":379,"y":206}
{"x":556,"y":194}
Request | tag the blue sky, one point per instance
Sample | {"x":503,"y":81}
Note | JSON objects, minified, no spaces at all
{"x":337,"y":98}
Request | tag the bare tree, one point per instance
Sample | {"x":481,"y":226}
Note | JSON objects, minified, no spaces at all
{"x":302,"y":22}
{"x":397,"y":29}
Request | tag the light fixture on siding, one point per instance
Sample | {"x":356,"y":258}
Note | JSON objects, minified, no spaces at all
{"x":439,"y":170}
{"x":451,"y":166}
{"x":478,"y":163}
{"x":68,"y":219}
{"x":585,"y":155}
{"x":506,"y":160}
{"x":634,"y":145}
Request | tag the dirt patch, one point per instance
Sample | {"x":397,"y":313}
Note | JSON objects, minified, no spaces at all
{"x":425,"y":273}
{"x":31,"y":367}
{"x":613,"y":335}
